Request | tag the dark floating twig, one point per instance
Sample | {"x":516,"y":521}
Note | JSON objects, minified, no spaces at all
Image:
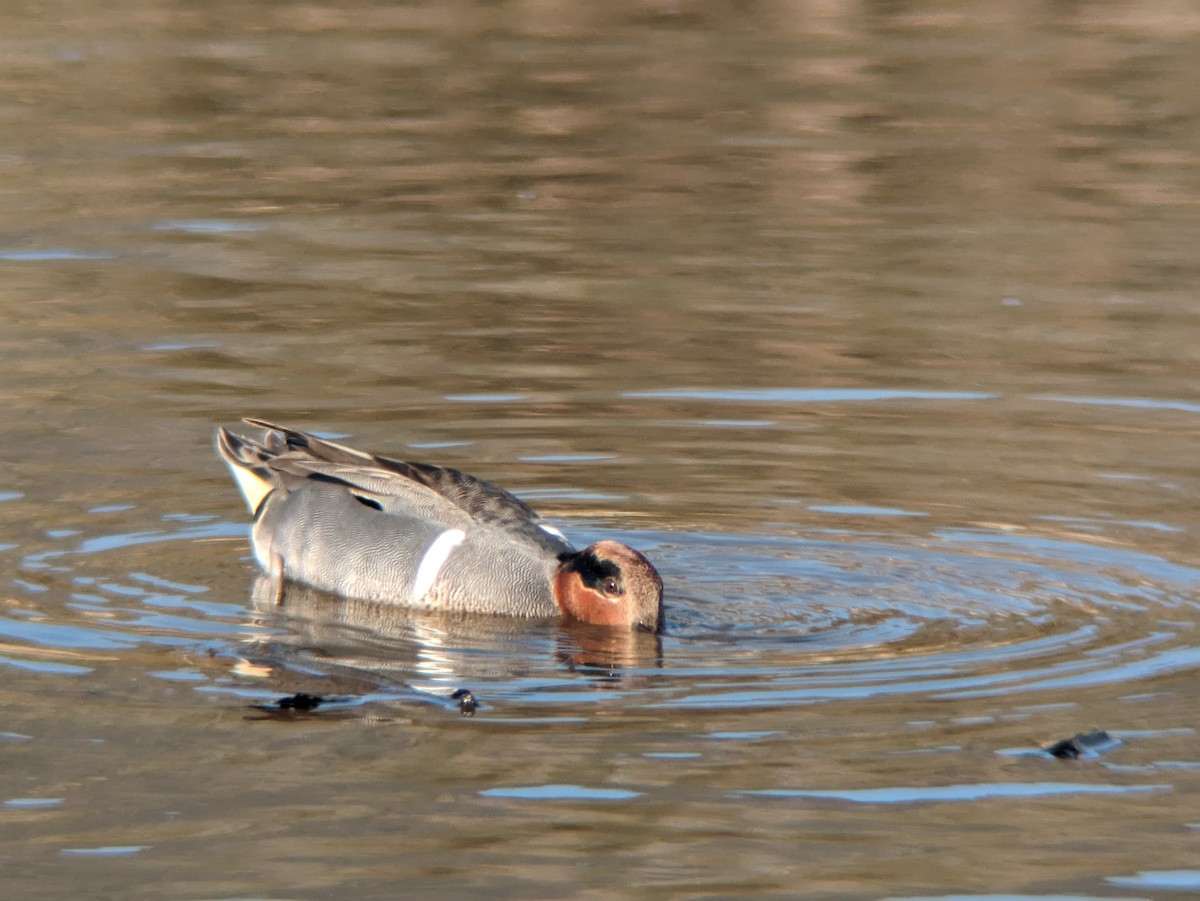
{"x":1084,"y":744}
{"x":303,"y":704}
{"x":300,"y":702}
{"x":466,"y":701}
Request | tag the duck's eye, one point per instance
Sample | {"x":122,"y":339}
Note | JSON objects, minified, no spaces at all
{"x":612,"y":586}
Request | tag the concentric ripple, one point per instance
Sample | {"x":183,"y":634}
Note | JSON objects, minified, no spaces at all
{"x":82,"y":596}
{"x":753,"y":620}
{"x":960,"y":613}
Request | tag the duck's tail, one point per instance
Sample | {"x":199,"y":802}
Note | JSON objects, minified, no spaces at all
{"x":280,"y":439}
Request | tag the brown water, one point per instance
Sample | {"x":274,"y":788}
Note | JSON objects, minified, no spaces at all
{"x":875,"y":326}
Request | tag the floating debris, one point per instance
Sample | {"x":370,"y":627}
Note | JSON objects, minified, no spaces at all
{"x":466,"y":702}
{"x":1085,"y":744}
{"x":300,"y":702}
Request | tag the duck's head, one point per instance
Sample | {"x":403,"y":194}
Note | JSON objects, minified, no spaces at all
{"x":610,"y":584}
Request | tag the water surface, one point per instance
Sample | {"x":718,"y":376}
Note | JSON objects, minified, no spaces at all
{"x":875,"y":328}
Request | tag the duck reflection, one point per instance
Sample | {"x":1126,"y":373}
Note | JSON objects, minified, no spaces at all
{"x":362,"y":647}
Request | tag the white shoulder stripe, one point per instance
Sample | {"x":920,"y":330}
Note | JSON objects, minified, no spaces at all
{"x":550,"y":530}
{"x":434,"y":559}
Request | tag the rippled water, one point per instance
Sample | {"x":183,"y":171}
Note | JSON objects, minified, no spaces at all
{"x":874,"y":328}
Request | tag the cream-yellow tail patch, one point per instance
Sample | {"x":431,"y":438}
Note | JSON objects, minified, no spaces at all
{"x":254,"y":487}
{"x":243,"y":457}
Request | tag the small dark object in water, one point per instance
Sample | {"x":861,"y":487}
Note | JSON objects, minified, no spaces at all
{"x":300,"y":701}
{"x":1085,"y":744}
{"x":466,"y":701}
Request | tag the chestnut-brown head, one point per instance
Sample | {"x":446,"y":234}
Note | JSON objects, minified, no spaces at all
{"x":610,"y":584}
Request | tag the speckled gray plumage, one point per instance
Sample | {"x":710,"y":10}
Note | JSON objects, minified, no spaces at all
{"x":358,"y":525}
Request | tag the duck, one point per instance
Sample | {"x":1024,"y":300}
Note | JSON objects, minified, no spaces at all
{"x":364,"y":526}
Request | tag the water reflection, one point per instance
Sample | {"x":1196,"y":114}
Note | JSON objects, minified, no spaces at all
{"x":960,"y":793}
{"x":438,"y":652}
